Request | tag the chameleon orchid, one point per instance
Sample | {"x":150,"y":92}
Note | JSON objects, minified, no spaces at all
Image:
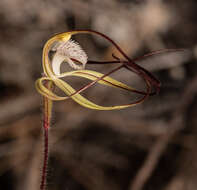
{"x":67,"y":50}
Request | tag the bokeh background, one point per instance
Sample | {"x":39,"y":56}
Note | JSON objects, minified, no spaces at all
{"x":147,"y":147}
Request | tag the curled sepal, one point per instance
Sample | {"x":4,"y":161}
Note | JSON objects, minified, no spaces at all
{"x":85,"y":102}
{"x":72,"y":93}
{"x":93,"y":75}
{"x":42,"y":89}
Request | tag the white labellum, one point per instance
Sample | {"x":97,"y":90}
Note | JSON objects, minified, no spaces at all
{"x":65,"y":52}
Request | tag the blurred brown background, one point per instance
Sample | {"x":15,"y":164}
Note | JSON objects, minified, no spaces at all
{"x":148,"y":147}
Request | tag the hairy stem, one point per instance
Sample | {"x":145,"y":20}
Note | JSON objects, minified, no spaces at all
{"x":47,"y":109}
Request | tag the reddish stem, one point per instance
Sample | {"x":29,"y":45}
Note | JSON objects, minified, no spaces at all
{"x":46,"y":125}
{"x":45,"y":162}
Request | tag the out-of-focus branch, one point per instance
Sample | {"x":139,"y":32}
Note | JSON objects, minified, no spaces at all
{"x":157,"y":150}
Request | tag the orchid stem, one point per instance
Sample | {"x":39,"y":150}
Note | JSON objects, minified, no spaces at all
{"x":47,"y":107}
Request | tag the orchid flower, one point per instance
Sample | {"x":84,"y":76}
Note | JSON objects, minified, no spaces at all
{"x":69,"y":51}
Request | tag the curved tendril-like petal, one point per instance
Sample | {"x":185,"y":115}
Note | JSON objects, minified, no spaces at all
{"x":71,"y":93}
{"x":93,"y":75}
{"x":45,"y":91}
{"x":85,"y":102}
{"x":52,"y":74}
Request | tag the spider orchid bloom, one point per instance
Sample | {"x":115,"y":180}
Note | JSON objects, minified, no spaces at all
{"x":67,"y":50}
